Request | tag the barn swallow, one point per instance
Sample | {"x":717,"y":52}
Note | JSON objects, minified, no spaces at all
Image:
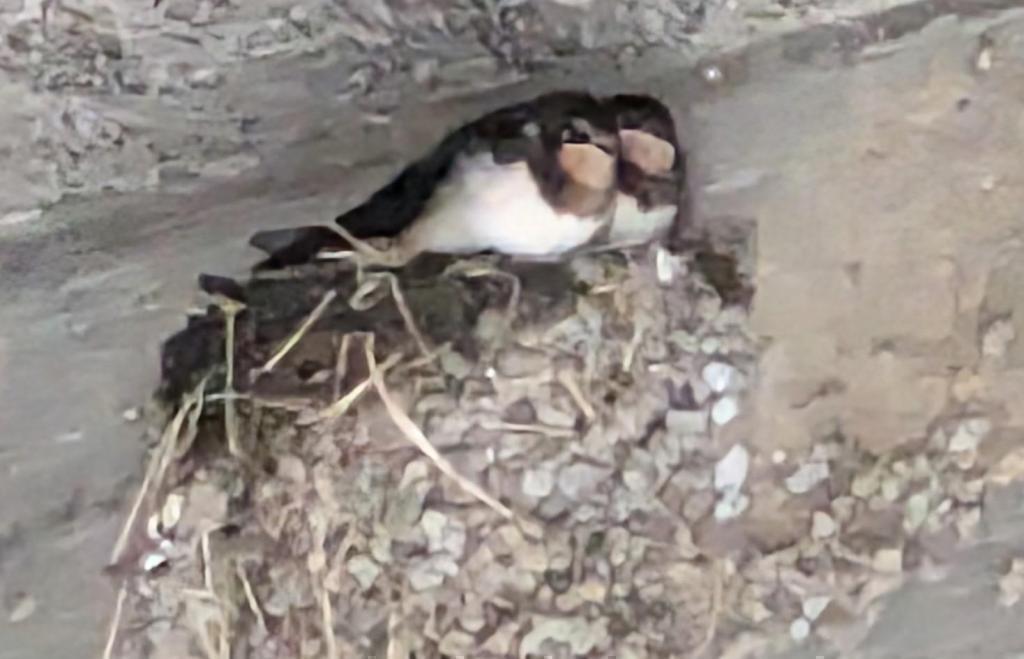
{"x":535,"y":179}
{"x":651,"y":171}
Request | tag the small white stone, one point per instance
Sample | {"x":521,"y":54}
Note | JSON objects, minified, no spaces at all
{"x":725,"y":410}
{"x":822,"y":526}
{"x":778,"y":456}
{"x":891,"y":489}
{"x":152,"y":561}
{"x":719,"y":376}
{"x":131,"y":415}
{"x":731,"y":506}
{"x":815,"y":606}
{"x":806,"y":477}
{"x":538,"y":483}
{"x":731,"y":470}
{"x":363,"y":569}
{"x":170,"y":514}
{"x":298,"y":14}
{"x":984,"y":61}
{"x":800,"y":629}
{"x":997,"y":338}
{"x":888,"y":560}
{"x":23,"y":608}
{"x":663,"y":266}
{"x":968,"y":435}
{"x":686,"y":422}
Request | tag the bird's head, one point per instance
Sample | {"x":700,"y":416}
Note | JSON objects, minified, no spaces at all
{"x":647,"y":133}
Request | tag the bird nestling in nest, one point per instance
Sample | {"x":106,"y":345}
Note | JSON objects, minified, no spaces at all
{"x":541,"y":179}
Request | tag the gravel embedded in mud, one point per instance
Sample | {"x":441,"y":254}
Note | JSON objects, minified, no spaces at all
{"x":630,"y":520}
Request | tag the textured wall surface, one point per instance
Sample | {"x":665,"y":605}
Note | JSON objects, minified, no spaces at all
{"x":878,"y":160}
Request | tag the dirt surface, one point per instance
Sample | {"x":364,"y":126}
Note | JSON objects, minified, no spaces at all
{"x":879,"y":169}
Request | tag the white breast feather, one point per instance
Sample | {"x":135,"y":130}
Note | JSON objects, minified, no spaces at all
{"x":632,"y":224}
{"x":485,"y":205}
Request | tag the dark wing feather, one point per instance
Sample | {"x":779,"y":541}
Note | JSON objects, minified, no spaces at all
{"x":391,"y":210}
{"x":295,"y":246}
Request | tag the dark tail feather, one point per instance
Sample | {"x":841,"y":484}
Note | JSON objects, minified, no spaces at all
{"x":287,"y":247}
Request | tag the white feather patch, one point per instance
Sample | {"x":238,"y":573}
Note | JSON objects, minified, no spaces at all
{"x":633,"y":224}
{"x":487,"y":206}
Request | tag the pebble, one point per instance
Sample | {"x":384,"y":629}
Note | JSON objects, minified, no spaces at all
{"x":363,"y":569}
{"x":731,"y":470}
{"x":23,"y":608}
{"x":865,"y":484}
{"x":984,"y":61}
{"x":813,"y":607}
{"x":298,"y":15}
{"x":719,"y":376}
{"x":806,"y":477}
{"x":291,"y":469}
{"x":687,"y":422}
{"x":170,"y":512}
{"x":891,"y":489}
{"x":731,"y":506}
{"x":730,"y":474}
{"x":997,"y":338}
{"x":519,"y":362}
{"x":580,"y":479}
{"x":822,"y":525}
{"x":538,"y":483}
{"x":457,"y":643}
{"x":915,"y":512}
{"x":593,"y":590}
{"x":152,"y":561}
{"x":968,"y":435}
{"x":888,"y":560}
{"x":131,"y":415}
{"x":725,"y":410}
{"x":1011,"y":584}
{"x":800,"y":629}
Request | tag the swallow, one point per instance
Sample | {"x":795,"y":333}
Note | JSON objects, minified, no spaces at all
{"x":651,"y":171}
{"x":535,"y":179}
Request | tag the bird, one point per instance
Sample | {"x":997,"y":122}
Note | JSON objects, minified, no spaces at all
{"x":536,"y":179}
{"x":651,"y":171}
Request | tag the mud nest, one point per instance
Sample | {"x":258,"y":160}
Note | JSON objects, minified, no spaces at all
{"x":464,"y":458}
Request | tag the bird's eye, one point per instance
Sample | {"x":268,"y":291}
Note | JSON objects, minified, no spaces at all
{"x":573,"y":135}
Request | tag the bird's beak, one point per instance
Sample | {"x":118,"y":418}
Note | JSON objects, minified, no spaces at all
{"x":607,"y":142}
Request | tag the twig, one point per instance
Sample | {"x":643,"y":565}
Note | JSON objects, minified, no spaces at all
{"x":714,"y":614}
{"x":341,"y":363}
{"x":231,"y":310}
{"x":154,"y":472}
{"x":223,"y":640}
{"x":343,"y":404}
{"x":631,"y":348}
{"x":547,"y":431}
{"x":416,"y":436}
{"x":328,"y":622}
{"x":566,"y":380}
{"x":193,"y":420}
{"x":250,"y":597}
{"x":293,"y":340}
{"x":393,"y":257}
{"x":115,"y":623}
{"x":357,"y":303}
